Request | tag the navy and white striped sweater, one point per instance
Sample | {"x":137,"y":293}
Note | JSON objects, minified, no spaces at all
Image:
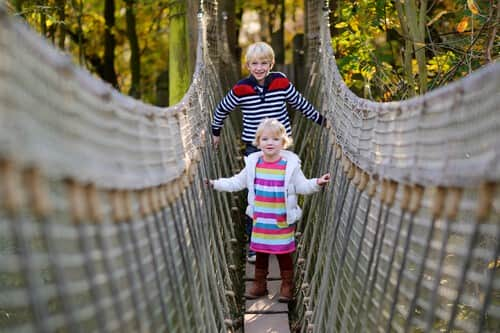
{"x":259,"y":102}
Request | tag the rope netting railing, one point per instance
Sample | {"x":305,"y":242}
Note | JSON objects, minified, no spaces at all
{"x":407,"y":239}
{"x":105,"y":223}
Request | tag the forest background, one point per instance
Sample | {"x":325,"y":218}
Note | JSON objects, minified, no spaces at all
{"x":385,"y":50}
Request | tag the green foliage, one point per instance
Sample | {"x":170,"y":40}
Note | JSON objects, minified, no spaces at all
{"x":361,"y":46}
{"x":367,"y":39}
{"x":368,"y":43}
{"x":87,"y":37}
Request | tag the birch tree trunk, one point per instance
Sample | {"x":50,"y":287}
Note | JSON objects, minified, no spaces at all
{"x":407,"y":51}
{"x":413,"y":24}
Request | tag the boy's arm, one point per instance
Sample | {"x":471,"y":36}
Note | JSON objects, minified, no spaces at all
{"x":297,"y":101}
{"x":226,"y":105}
{"x":236,"y":183}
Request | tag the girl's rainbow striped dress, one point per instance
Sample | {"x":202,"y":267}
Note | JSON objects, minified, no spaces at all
{"x":271,"y":233}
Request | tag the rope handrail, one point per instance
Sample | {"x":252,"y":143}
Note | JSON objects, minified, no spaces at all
{"x":104,"y":218}
{"x":368,"y":131}
{"x":93,"y":105}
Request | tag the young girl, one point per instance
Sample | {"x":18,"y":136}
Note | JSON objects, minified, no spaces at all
{"x":273,"y":178}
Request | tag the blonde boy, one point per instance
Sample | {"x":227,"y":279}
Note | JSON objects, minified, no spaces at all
{"x":263,"y":94}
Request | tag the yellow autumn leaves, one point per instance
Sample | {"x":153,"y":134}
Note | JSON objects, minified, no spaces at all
{"x":464,"y":22}
{"x":472,"y":7}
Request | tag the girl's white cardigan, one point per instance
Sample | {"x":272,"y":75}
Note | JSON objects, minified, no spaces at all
{"x":295,"y":183}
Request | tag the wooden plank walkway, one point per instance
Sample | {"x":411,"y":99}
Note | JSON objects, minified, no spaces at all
{"x":266,"y":314}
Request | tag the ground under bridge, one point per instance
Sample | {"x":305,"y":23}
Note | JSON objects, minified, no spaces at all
{"x":106,"y":226}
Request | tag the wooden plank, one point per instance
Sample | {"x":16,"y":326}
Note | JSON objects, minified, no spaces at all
{"x":269,"y":323}
{"x":266,"y":304}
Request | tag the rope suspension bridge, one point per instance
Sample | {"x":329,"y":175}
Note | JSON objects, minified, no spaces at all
{"x":106,"y":225}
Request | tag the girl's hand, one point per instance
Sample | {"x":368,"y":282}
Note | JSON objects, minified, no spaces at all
{"x":208,"y":182}
{"x":325,"y":179}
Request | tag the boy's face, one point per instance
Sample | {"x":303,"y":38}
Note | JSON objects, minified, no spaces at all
{"x":271,"y":143}
{"x":259,"y":68}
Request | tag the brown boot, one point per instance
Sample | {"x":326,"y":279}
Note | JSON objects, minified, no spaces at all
{"x":259,"y":287}
{"x":286,"y":290}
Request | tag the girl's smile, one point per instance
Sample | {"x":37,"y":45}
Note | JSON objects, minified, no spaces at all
{"x":271,"y":143}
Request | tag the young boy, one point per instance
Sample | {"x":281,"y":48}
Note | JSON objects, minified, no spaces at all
{"x":263,"y":94}
{"x":273,"y":178}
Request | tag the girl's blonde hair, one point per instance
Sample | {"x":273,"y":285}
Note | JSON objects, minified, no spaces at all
{"x":277,"y":128}
{"x":259,"y":50}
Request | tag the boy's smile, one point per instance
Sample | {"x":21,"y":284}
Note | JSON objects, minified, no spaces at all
{"x":259,"y":69}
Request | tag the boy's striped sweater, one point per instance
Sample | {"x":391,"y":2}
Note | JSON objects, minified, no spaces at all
{"x":259,"y":102}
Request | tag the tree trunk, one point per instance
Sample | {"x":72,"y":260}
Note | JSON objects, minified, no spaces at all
{"x":414,"y":22}
{"x":135,"y":57}
{"x":232,"y":31}
{"x":299,"y":61}
{"x":18,"y":4}
{"x":162,"y":89}
{"x":493,"y":32}
{"x":178,"y":52}
{"x":417,"y":32}
{"x":192,"y":8}
{"x":43,"y":17}
{"x":61,"y":13}
{"x":277,"y":30}
{"x":78,"y":7}
{"x":407,"y":51}
{"x":332,"y":6}
{"x":109,"y":43}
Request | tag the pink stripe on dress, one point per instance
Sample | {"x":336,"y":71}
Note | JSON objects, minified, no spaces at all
{"x":267,"y":199}
{"x":269,"y":182}
{"x":282,"y":231}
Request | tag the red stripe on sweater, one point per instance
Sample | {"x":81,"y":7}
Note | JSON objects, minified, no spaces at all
{"x":279,"y":83}
{"x":243,"y":90}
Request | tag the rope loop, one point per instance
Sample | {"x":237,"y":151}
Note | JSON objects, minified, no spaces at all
{"x":77,"y":201}
{"x":11,"y":189}
{"x":38,"y":192}
{"x":485,"y":200}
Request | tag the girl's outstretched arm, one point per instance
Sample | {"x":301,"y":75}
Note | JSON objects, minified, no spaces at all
{"x":235,"y":183}
{"x":323,"y":180}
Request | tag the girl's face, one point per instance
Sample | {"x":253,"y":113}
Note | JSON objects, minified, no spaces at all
{"x":259,"y":68}
{"x":271,"y":143}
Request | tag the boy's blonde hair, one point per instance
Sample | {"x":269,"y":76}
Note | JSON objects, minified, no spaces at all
{"x":259,"y":51}
{"x":275,"y":126}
